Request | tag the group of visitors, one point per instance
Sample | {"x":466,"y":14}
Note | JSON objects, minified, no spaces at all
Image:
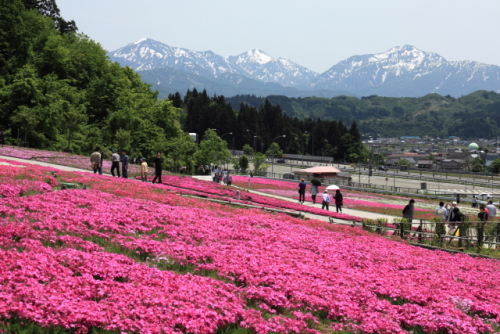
{"x":325,"y":204}
{"x":451,"y":214}
{"x":219,"y":175}
{"x":96,"y":163}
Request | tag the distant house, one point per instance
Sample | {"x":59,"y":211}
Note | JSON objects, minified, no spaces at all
{"x":425,"y":164}
{"x":452,"y":164}
{"x":392,"y":162}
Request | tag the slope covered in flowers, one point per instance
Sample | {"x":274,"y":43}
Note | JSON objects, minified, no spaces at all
{"x":131,"y":256}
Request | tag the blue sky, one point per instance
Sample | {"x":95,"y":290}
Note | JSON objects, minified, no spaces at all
{"x":316,"y":34}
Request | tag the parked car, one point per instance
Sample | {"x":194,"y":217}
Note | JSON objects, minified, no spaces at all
{"x":382,"y":168}
{"x":484,"y":196}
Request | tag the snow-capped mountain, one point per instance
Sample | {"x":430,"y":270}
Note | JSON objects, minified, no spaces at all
{"x":407,"y":71}
{"x":401,"y":71}
{"x":256,"y":64}
{"x":148,"y":54}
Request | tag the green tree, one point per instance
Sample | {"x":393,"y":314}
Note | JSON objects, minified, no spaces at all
{"x":212,"y":150}
{"x":248,"y":150}
{"x":403,"y":162}
{"x":74,"y":119}
{"x":258,"y":160}
{"x":180,"y":151}
{"x":243,"y":162}
{"x":478,"y":165}
{"x":274,"y":150}
{"x":495,"y":166}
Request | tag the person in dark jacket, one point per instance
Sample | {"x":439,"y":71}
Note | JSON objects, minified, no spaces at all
{"x":125,"y":162}
{"x":339,"y":200}
{"x":302,"y":191}
{"x":158,"y":164}
{"x":409,"y":210}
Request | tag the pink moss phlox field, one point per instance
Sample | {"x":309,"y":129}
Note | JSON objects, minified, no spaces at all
{"x":366,"y":282}
{"x":55,"y":272}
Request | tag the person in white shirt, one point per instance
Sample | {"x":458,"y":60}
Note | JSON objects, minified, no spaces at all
{"x":441,"y":211}
{"x":115,"y":162}
{"x":326,"y":201}
{"x":492,"y":210}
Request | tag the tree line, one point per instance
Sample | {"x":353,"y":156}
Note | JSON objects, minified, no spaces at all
{"x":267,"y":124}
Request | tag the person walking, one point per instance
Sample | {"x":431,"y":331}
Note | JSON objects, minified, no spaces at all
{"x":339,"y":200}
{"x":474,"y":201}
{"x":314,"y":192}
{"x":492,"y":210}
{"x":326,"y":201}
{"x":441,"y":211}
{"x":125,"y":162}
{"x":229,"y":179}
{"x":144,"y":170}
{"x":409,"y":210}
{"x":158,"y":164}
{"x":95,"y":159}
{"x":302,"y":191}
{"x":115,"y":162}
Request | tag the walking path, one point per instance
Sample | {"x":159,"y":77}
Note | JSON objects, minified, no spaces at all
{"x":46,"y":164}
{"x":357,"y":213}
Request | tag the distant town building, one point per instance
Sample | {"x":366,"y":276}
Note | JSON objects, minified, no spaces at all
{"x":425,"y":164}
{"x":452,"y":164}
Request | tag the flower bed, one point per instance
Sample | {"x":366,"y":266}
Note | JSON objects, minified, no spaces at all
{"x":264,"y":272}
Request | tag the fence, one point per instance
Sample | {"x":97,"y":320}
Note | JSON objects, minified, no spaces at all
{"x":472,"y":236}
{"x":297,"y":157}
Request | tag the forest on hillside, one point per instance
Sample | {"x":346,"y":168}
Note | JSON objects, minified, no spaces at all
{"x":260,"y":126}
{"x":60,"y":91}
{"x":476,"y":115}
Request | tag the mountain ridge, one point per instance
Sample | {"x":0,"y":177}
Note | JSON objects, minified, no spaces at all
{"x":400,"y":71}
